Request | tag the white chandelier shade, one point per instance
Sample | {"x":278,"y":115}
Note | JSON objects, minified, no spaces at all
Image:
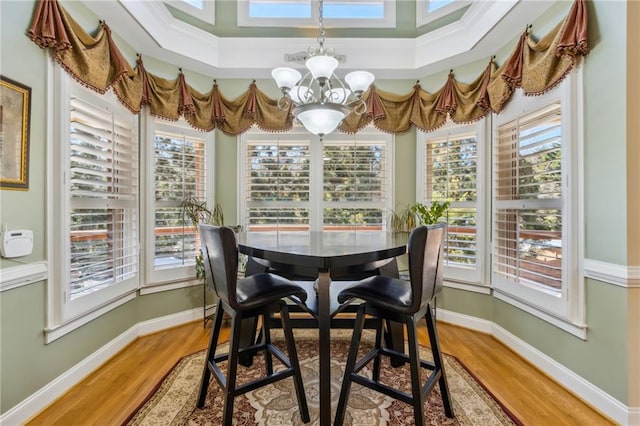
{"x":321,"y":66}
{"x":286,"y":77}
{"x":320,"y":118}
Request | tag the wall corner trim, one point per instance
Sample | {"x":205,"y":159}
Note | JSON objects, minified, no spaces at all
{"x":17,"y":276}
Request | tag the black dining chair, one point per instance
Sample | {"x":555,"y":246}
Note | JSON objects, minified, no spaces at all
{"x":254,"y":296}
{"x":405,"y":302}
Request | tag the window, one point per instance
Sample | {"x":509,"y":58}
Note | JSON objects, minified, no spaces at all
{"x":518,"y":201}
{"x":201,"y":9}
{"x":451,"y":165}
{"x":94,"y":250}
{"x":536,"y":237}
{"x":181,"y":163}
{"x":337,"y":13}
{"x":294,"y":181}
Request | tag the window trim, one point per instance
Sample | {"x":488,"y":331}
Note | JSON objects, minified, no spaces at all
{"x":179,"y":277}
{"x":456,"y":276}
{"x":316,"y":204}
{"x":424,"y":16}
{"x":567,"y":313}
{"x":388,"y":21}
{"x":64,"y":316}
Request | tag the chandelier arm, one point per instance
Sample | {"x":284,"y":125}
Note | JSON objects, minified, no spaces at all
{"x":284,"y":103}
{"x":358,"y":106}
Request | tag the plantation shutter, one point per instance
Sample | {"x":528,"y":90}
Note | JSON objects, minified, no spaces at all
{"x":179,"y":174}
{"x":277,"y":185}
{"x":103,"y":185}
{"x":529,"y":200}
{"x":451,"y":175}
{"x":355,"y":184}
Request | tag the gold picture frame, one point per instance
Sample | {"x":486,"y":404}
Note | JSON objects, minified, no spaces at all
{"x":15,"y":115}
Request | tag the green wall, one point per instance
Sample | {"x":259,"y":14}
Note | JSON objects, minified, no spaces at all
{"x":27,"y":364}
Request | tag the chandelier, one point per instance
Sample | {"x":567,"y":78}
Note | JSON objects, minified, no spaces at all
{"x":321,"y":100}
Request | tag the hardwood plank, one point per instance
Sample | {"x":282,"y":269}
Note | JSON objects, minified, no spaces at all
{"x":110,"y":394}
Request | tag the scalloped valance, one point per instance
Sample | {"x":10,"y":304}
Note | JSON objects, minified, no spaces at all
{"x":96,"y":62}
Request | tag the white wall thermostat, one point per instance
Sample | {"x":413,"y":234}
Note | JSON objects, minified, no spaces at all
{"x":16,"y":243}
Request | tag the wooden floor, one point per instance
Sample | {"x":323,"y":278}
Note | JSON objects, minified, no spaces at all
{"x":109,"y":395}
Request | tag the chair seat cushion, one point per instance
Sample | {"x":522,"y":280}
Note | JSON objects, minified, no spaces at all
{"x":263,"y":289}
{"x":386,"y":292}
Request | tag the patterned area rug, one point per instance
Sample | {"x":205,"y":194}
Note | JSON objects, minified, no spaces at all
{"x":173,"y":402}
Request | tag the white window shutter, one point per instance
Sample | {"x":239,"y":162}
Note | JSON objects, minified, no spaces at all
{"x":103,"y":188}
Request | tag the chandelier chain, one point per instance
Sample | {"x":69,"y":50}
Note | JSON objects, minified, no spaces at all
{"x":321,"y":37}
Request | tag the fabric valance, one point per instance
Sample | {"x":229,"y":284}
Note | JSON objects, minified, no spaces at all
{"x":96,"y":62}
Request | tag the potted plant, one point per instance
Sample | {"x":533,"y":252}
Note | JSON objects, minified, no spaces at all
{"x":406,"y":219}
{"x":432,"y":214}
{"x":197,"y":211}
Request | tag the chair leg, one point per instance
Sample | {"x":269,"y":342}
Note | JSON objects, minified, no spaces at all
{"x":295,"y":364}
{"x":439,"y":363}
{"x":266,"y":337}
{"x":211,"y":352}
{"x":232,"y":371}
{"x":376,"y":360}
{"x":414,"y":362}
{"x":351,"y":363}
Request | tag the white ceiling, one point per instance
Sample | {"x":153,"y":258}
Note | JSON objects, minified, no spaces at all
{"x":153,"y":32}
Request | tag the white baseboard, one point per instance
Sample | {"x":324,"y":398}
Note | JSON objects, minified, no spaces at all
{"x":466,"y":321}
{"x":54,"y":389}
{"x":582,"y":388}
{"x":162,"y":323}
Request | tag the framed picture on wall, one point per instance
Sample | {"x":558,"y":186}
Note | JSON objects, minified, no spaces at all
{"x":15,"y":112}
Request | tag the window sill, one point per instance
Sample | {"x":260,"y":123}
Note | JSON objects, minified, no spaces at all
{"x":160,"y":287}
{"x":475,"y":288}
{"x":59,"y":330}
{"x":577,"y":329}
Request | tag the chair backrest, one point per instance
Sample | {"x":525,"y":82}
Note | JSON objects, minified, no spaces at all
{"x":425,"y":249}
{"x":220,"y":257}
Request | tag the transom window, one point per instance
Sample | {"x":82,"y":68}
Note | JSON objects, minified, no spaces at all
{"x":430,"y":10}
{"x":200,"y":9}
{"x":305,"y":13}
{"x":295,"y":181}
